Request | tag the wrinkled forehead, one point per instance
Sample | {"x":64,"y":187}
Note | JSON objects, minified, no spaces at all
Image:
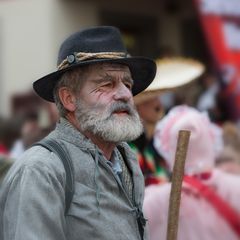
{"x":102,"y":68}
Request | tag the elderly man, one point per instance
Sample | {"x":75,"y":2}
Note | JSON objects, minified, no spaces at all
{"x":93,"y":89}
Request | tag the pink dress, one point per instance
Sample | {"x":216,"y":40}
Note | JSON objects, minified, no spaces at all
{"x":198,"y":219}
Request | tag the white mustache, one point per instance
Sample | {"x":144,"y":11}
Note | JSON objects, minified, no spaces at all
{"x":121,"y":106}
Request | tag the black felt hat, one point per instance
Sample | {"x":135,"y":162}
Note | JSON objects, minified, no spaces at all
{"x":95,"y":45}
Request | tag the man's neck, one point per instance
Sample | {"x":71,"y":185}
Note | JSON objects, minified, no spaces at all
{"x":106,"y":147}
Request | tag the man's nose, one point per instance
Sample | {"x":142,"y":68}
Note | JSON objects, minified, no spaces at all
{"x":123,"y":93}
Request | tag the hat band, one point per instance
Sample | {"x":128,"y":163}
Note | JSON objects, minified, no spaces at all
{"x":82,"y":56}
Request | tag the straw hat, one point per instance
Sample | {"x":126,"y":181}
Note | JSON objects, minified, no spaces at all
{"x":172,"y":72}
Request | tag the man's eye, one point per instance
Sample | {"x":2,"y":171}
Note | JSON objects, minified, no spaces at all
{"x":128,"y":85}
{"x":107,"y":85}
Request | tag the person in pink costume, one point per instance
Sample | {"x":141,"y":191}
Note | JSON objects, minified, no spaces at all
{"x":211,"y":217}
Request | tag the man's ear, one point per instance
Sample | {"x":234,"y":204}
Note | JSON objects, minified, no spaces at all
{"x":67,"y":98}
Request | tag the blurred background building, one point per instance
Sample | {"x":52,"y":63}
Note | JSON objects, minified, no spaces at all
{"x":32,"y":30}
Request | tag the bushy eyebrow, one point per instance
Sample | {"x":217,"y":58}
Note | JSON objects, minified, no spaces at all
{"x":128,"y":79}
{"x":107,"y":77}
{"x":100,"y":80}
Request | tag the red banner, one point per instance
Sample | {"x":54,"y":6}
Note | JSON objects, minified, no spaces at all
{"x":220,"y":20}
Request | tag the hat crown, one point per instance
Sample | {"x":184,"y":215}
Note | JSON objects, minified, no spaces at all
{"x":92,"y":40}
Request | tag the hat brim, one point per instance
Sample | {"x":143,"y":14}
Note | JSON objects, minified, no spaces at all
{"x":174,"y":72}
{"x":143,"y":71}
{"x":171,"y":73}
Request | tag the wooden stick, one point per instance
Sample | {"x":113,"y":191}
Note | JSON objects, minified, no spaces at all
{"x":177,"y":178}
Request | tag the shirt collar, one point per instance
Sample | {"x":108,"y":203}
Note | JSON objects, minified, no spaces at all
{"x":115,"y":162}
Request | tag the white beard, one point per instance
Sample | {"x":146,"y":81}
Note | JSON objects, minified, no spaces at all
{"x":105,"y":124}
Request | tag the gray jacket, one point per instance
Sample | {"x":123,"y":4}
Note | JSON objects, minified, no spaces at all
{"x":32,"y":199}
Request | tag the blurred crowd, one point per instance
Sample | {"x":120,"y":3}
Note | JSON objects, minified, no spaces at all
{"x":209,"y":206}
{"x":20,"y":131}
{"x":213,"y":157}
